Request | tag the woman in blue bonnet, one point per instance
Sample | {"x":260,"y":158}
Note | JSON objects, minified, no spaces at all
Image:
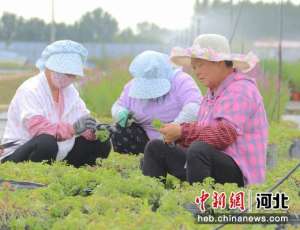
{"x":47,"y":119}
{"x":158,"y":90}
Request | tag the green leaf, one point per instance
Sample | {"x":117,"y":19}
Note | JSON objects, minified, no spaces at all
{"x":102,"y":135}
{"x":157,"y":124}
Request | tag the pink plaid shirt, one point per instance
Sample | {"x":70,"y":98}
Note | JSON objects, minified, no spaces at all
{"x":238,"y":101}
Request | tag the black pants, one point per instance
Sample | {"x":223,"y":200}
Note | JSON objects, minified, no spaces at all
{"x":44,"y":147}
{"x":201,"y":160}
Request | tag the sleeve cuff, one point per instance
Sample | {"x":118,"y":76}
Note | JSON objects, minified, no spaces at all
{"x":184,"y":133}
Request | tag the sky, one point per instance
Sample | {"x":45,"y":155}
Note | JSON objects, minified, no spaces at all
{"x":171,"y":14}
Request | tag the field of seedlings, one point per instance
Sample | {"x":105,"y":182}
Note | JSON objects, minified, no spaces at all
{"x":114,"y":194}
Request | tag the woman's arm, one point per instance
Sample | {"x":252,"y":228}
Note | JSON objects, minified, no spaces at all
{"x":116,"y":109}
{"x":188,"y":113}
{"x":220,"y":135}
{"x":38,"y":124}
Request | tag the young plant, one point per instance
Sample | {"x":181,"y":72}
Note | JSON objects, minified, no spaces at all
{"x":102,"y":135}
{"x":157,"y":124}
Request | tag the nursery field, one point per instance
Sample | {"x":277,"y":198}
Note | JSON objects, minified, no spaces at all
{"x":114,"y":194}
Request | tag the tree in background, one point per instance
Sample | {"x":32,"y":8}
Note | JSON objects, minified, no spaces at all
{"x":258,"y":21}
{"x":201,"y":7}
{"x":97,"y":26}
{"x":151,"y":33}
{"x":8,"y":27}
{"x":126,"y":36}
{"x":32,"y":28}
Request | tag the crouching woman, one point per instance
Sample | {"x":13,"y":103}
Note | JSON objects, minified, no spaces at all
{"x":47,"y":119}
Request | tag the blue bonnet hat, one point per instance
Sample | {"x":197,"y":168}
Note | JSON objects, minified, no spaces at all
{"x":64,"y":56}
{"x":151,"y":72}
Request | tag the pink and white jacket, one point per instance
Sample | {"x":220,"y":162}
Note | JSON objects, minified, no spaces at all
{"x":33,"y":111}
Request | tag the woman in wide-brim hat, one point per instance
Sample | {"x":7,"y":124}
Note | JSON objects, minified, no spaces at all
{"x":157,"y":91}
{"x":228,"y":142}
{"x":214,"y":48}
{"x":47,"y":119}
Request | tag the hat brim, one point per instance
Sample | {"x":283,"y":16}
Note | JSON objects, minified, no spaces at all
{"x":67,"y":63}
{"x":183,"y":57}
{"x":142,"y":88}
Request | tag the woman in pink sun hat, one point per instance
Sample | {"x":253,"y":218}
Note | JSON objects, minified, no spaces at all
{"x":228,"y":141}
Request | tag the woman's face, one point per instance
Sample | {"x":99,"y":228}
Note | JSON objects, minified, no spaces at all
{"x":209,"y":73}
{"x":60,"y":80}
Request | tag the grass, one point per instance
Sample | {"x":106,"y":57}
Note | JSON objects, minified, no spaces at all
{"x":107,"y":64}
{"x":275,"y":101}
{"x":9,"y":84}
{"x":15,"y":66}
{"x":100,"y":93}
{"x":291,"y":71}
{"x":121,"y":196}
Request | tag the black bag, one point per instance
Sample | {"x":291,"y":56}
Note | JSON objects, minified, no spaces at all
{"x":132,"y":139}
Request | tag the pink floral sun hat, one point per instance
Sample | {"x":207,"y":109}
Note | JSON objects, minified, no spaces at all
{"x":213,"y":47}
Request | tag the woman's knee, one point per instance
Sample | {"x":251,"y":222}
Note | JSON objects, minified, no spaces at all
{"x":197,"y":149}
{"x":46,"y":143}
{"x":96,"y":148}
{"x":45,"y":148}
{"x":153,"y":147}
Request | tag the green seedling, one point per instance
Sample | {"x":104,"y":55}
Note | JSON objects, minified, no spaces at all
{"x":102,"y":135}
{"x":157,"y":124}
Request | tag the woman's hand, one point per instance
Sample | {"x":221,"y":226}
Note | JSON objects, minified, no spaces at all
{"x":84,"y":123}
{"x":123,"y":118}
{"x":170,"y":132}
